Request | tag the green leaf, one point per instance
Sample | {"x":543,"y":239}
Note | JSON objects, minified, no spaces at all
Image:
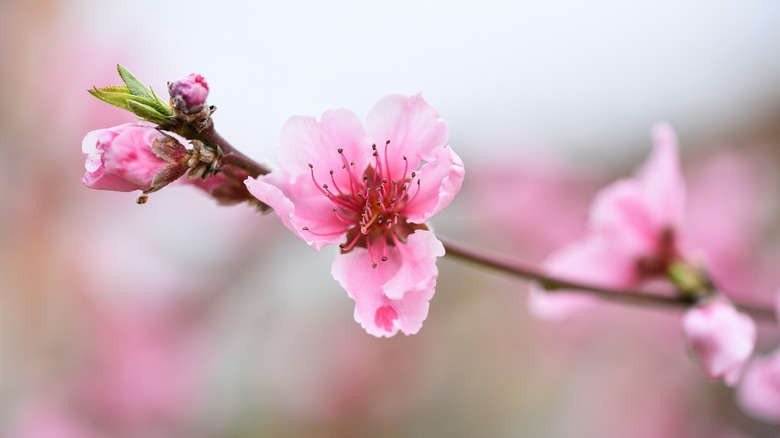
{"x":164,"y":107}
{"x":116,"y":89}
{"x":118,"y":98}
{"x":146,"y":112}
{"x":133,"y":84}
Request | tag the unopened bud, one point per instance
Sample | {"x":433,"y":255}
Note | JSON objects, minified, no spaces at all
{"x":132,"y":156}
{"x":189,"y":94}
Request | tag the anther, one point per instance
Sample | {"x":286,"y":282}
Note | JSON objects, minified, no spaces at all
{"x":324,"y":186}
{"x":373,"y":146}
{"x":331,"y":171}
{"x":311,"y":166}
{"x":373,"y":265}
{"x":414,"y":174}
{"x":384,"y":259}
{"x":341,"y":150}
{"x":305,"y":228}
{"x":387,"y":142}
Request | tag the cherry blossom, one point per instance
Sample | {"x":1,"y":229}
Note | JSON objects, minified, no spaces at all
{"x":371,"y":191}
{"x":632,"y":232}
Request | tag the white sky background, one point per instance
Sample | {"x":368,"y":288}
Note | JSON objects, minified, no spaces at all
{"x":589,"y":76}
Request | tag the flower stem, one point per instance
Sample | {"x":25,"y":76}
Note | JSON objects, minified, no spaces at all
{"x":232,"y":156}
{"x":551,"y":283}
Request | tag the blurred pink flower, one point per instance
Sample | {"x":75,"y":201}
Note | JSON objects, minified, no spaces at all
{"x":189,"y":93}
{"x":336,"y":186}
{"x":737,"y":188}
{"x":146,"y":369}
{"x":48,"y":419}
{"x":133,"y":156}
{"x":722,"y":338}
{"x":632,"y":234}
{"x":759,"y":392}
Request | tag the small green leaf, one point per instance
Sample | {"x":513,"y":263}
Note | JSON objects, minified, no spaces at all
{"x":163,"y":105}
{"x":133,"y":84}
{"x":146,"y":112}
{"x":117,"y":98}
{"x":116,"y":89}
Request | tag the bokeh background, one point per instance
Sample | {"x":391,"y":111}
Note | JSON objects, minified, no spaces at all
{"x":180,"y":318}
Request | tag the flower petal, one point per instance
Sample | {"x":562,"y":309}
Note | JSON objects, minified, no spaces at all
{"x":378,"y":314}
{"x":304,"y":140}
{"x":440,"y":180}
{"x":412,"y":126}
{"x":418,"y":265}
{"x":620,"y":214}
{"x":299,"y":206}
{"x":590,"y":260}
{"x":759,"y":392}
{"x":662,"y":180}
{"x":722,"y":338}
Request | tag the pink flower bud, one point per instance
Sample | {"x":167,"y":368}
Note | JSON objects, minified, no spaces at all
{"x":132,"y":156}
{"x":190,"y":93}
{"x":721,"y":337}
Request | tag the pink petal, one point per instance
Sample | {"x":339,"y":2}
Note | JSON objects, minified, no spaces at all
{"x":721,"y":337}
{"x":662,"y":180}
{"x":620,"y":214}
{"x":589,"y":260}
{"x":299,"y":206}
{"x":306,"y":141}
{"x":440,"y":180}
{"x":378,"y":314}
{"x":412,"y":126}
{"x":759,"y":392}
{"x":418,"y":265}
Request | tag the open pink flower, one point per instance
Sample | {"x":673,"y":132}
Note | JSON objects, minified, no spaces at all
{"x":133,"y":156}
{"x":632,"y":233}
{"x":722,"y":338}
{"x":370,"y":190}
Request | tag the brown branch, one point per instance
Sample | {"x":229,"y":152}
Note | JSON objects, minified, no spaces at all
{"x":635,"y":297}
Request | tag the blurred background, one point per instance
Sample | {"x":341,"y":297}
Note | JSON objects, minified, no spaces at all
{"x":180,"y":318}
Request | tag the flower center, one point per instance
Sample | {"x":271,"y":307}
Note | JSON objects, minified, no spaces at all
{"x":372,"y":203}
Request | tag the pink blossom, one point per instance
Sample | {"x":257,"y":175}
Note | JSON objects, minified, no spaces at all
{"x":632,"y":231}
{"x":759,"y":392}
{"x":367,"y":190}
{"x":133,"y":156}
{"x":189,"y":93}
{"x":721,"y":337}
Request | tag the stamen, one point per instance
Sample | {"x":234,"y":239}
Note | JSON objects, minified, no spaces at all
{"x":415,"y":193}
{"x":370,"y":253}
{"x":342,"y":218}
{"x":318,"y":234}
{"x":335,"y":184}
{"x":351,"y":244}
{"x":353,"y":182}
{"x":383,"y":244}
{"x":387,"y":162}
